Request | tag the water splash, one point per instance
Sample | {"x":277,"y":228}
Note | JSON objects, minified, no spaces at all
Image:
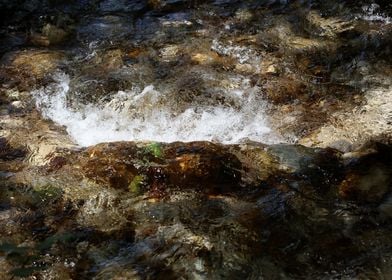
{"x":147,"y":114}
{"x":372,"y":13}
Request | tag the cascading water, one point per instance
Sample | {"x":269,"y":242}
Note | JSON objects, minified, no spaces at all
{"x":147,"y":114}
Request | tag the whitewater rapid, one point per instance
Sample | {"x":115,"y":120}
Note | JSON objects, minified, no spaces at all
{"x":148,"y":115}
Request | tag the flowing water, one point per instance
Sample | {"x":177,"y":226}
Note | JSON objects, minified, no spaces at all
{"x":149,"y":115}
{"x":137,"y":84}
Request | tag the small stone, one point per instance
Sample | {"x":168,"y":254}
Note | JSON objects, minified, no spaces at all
{"x":169,"y":52}
{"x":16,"y":95}
{"x":211,"y":58}
{"x":268,"y":67}
{"x":271,"y":70}
{"x":17,"y":104}
{"x":245,"y":68}
{"x":203,"y":58}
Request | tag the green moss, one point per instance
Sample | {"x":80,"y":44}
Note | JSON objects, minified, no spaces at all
{"x":136,"y":184}
{"x":48,"y":193}
{"x":155,"y":149}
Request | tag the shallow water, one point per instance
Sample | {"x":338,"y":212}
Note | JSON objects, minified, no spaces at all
{"x":247,"y":77}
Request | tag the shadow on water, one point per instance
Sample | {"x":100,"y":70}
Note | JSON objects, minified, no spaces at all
{"x":301,"y":221}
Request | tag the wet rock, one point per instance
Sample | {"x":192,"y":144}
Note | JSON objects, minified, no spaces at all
{"x":209,"y":58}
{"x":328,"y":27}
{"x":211,"y":197}
{"x":49,"y":36}
{"x":11,"y":41}
{"x":358,"y":125}
{"x":111,"y":6}
{"x":54,"y":34}
{"x":116,"y":169}
{"x":9,"y":153}
{"x":104,"y":29}
{"x":304,"y":45}
{"x":258,"y":164}
{"x":284,"y":90}
{"x":104,"y":61}
{"x":103,"y":75}
{"x":30,"y":67}
{"x":245,"y":68}
{"x":16,"y":95}
{"x":369,"y":186}
{"x":168,"y":53}
{"x":179,"y":20}
{"x":136,"y":53}
{"x":87,"y":90}
{"x":169,"y":5}
{"x":283,"y":36}
{"x":202,"y":210}
{"x":269,"y":68}
{"x":103,"y":212}
{"x":386,"y":207}
{"x":199,"y":165}
{"x":368,"y":177}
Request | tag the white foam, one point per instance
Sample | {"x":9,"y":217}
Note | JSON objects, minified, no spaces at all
{"x":371,"y":13}
{"x":241,"y":53}
{"x":138,"y":115}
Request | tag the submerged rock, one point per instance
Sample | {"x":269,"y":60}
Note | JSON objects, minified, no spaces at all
{"x":51,"y":35}
{"x":368,"y":177}
{"x":128,"y":205}
{"x":28,"y":68}
{"x":316,"y":71}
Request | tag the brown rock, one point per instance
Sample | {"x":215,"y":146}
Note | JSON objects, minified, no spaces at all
{"x":245,"y":68}
{"x":210,"y":58}
{"x":104,"y":63}
{"x":284,"y":90}
{"x":113,"y":59}
{"x":197,"y":165}
{"x":110,"y":164}
{"x":368,"y":176}
{"x":136,"y":52}
{"x":50,"y":36}
{"x":269,"y":68}
{"x":327,"y":27}
{"x":37,"y":63}
{"x":369,"y":186}
{"x":39,"y":40}
{"x":30,"y":66}
{"x":54,"y":34}
{"x":202,"y":165}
